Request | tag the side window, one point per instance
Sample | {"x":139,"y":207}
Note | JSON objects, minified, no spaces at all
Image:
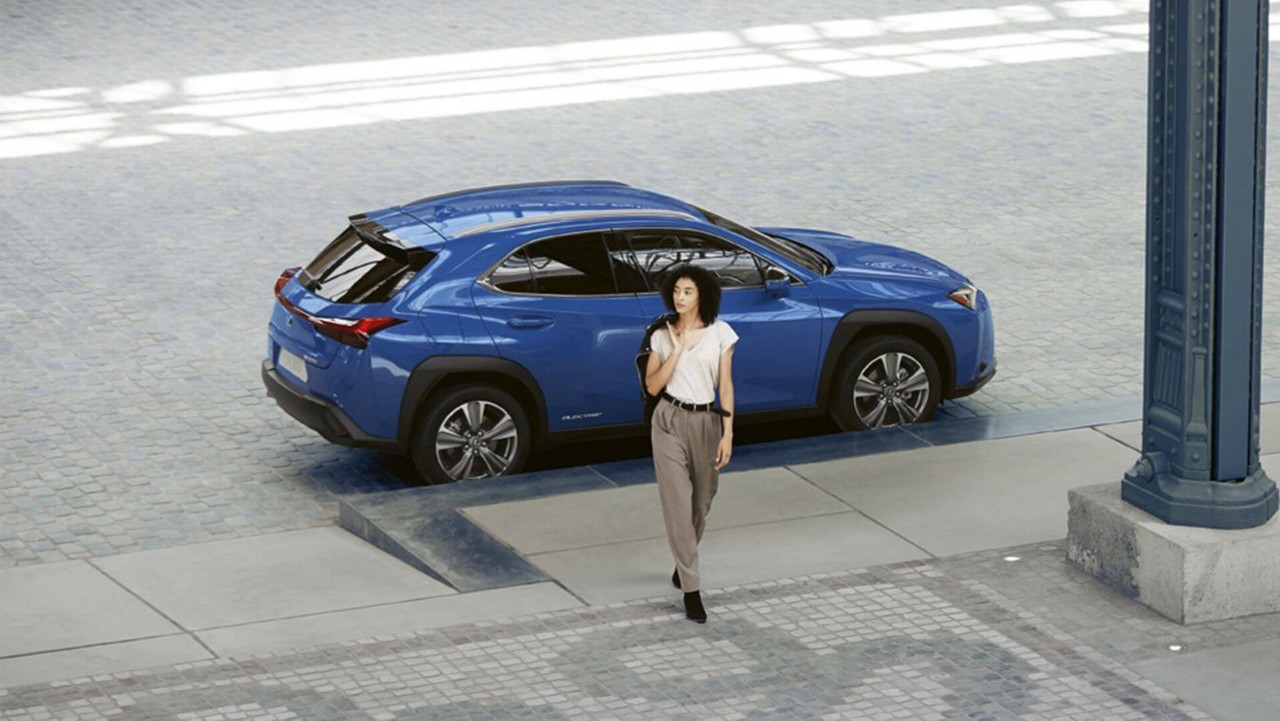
{"x":569,"y":265}
{"x":656,"y":252}
{"x":628,"y":272}
{"x":514,"y":274}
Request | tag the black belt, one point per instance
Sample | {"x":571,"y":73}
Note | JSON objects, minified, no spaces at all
{"x":704,"y":407}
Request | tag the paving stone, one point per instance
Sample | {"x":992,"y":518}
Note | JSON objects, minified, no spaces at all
{"x":970,"y":636}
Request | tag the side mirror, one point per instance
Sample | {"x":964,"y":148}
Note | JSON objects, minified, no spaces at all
{"x":777,"y":282}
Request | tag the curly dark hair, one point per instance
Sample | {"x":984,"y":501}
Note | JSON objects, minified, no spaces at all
{"x":708,"y":290}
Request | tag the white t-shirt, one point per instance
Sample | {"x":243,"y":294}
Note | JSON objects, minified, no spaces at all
{"x":697,"y":373}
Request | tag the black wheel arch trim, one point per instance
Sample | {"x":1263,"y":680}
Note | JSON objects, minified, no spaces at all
{"x":431,"y":373}
{"x":856,"y":323}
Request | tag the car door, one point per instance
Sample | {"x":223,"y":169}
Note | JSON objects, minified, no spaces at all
{"x":553,"y":307}
{"x":775,"y":365}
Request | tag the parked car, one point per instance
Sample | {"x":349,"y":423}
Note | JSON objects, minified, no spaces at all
{"x":468,"y":329}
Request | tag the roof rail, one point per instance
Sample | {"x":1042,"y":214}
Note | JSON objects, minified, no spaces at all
{"x":486,"y":188}
{"x":573,"y":215}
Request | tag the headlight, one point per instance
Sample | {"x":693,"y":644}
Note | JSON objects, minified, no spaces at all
{"x":966,"y":296}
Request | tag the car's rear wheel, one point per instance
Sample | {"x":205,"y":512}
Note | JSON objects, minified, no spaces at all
{"x":471,"y":432}
{"x":886,"y":381}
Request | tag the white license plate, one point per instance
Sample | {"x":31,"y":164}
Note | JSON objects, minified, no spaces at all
{"x":292,"y":363}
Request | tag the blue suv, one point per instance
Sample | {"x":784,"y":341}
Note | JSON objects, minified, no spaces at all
{"x":468,"y":329}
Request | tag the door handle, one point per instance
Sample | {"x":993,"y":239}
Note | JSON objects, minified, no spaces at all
{"x":530,"y":321}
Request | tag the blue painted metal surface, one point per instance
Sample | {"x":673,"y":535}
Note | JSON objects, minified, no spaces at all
{"x":1206,"y":151}
{"x":581,"y":349}
{"x":1243,"y":179}
{"x":781,"y":368}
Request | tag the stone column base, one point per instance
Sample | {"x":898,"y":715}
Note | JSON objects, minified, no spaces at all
{"x":1185,"y":573}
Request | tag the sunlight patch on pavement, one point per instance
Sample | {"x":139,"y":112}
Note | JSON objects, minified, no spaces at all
{"x":334,"y":95}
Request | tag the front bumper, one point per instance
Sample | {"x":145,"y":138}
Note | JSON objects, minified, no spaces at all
{"x":320,"y":415}
{"x":985,"y":378}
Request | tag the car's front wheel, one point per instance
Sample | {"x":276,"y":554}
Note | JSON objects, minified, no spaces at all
{"x":471,"y":432}
{"x":886,"y":381}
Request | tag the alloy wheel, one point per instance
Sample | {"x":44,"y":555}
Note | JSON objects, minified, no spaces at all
{"x":892,"y":389}
{"x":477,"y":439}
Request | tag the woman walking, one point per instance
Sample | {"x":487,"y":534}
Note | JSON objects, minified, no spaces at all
{"x":692,"y":437}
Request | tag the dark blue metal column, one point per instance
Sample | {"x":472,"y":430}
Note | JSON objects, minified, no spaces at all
{"x":1206,"y":151}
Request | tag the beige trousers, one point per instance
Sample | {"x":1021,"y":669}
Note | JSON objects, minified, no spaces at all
{"x":684,"y":454}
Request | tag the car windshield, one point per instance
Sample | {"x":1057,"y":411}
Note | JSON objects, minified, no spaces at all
{"x":808,"y":257}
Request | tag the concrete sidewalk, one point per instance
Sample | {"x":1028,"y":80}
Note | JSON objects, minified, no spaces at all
{"x":940,"y":511}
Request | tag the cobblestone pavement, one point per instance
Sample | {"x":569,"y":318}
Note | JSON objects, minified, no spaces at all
{"x":923,"y":640}
{"x":162,"y":162}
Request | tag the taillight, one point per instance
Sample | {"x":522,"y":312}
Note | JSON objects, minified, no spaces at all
{"x":284,"y":278}
{"x":354,"y":332}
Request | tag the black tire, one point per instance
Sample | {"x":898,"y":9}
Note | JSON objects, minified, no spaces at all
{"x":470,"y":412}
{"x":880,"y":402}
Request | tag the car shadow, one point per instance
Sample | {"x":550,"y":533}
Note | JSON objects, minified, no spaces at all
{"x":623,"y":449}
{"x":401,"y":473}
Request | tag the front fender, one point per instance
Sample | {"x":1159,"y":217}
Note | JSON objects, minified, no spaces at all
{"x":858,"y":323}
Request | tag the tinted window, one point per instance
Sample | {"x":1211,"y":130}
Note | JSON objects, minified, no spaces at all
{"x":514,"y":274}
{"x":628,"y":273}
{"x":354,"y":270}
{"x":569,"y":265}
{"x":656,"y":252}
{"x":808,"y":257}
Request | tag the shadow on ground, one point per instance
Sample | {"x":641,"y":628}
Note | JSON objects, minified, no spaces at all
{"x":578,"y":454}
{"x":622,"y":449}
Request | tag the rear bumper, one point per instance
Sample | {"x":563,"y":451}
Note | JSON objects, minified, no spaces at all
{"x":320,"y":415}
{"x":962,"y":391}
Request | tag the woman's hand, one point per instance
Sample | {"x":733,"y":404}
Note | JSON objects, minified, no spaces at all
{"x":724,"y":451}
{"x":676,"y":336}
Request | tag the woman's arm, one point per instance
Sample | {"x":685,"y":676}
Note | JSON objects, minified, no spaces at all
{"x":658,"y":373}
{"x":725,"y":449}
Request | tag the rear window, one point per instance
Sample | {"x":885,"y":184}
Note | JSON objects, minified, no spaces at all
{"x":362,"y":267}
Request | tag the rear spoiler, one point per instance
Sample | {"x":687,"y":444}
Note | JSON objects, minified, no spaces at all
{"x":373,"y":233}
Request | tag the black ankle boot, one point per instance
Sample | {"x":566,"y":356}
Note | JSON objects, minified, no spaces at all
{"x":675,"y":578}
{"x":693,"y":609}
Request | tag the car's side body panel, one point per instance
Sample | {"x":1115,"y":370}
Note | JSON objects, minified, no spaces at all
{"x":775,"y":362}
{"x":579,"y":349}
